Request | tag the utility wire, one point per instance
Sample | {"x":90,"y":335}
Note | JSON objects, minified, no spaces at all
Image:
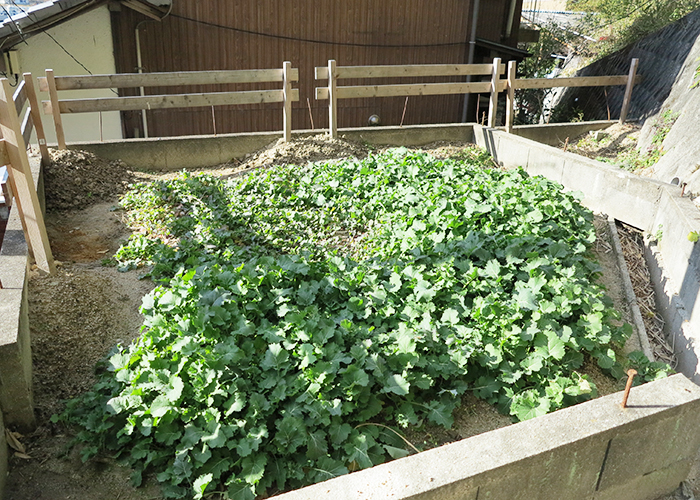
{"x":46,"y":32}
{"x":312,"y":40}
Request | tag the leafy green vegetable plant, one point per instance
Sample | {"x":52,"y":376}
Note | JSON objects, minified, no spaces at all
{"x":299,"y":304}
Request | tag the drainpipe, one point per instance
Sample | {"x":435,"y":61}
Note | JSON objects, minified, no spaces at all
{"x":139,"y":68}
{"x":139,"y":65}
{"x":470,"y":56}
{"x":511,"y":20}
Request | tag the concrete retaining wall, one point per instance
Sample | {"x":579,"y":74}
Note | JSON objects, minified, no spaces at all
{"x":16,"y":399}
{"x":176,"y":153}
{"x":650,"y":205}
{"x":595,"y":450}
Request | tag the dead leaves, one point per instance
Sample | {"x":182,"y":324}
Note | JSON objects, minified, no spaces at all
{"x":13,"y":441}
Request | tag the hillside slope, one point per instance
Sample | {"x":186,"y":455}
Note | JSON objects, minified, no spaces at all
{"x":668,"y":60}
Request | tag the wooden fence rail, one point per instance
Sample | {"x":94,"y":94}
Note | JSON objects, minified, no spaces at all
{"x":492,"y":83}
{"x":55,"y":106}
{"x":514,"y":83}
{"x":494,"y":86}
{"x":333,"y":91}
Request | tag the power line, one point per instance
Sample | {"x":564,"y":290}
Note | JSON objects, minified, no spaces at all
{"x":312,"y":40}
{"x":46,"y":32}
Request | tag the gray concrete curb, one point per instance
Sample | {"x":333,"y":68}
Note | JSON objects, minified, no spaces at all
{"x":595,"y":450}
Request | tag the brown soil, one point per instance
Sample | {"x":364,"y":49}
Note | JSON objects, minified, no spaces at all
{"x":607,"y":143}
{"x":81,"y":312}
{"x":77,"y":179}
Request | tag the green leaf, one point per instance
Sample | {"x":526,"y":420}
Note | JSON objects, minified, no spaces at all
{"x":354,"y":375}
{"x":175,"y":391}
{"x":275,"y":357}
{"x":396,"y":452}
{"x":525,"y":298}
{"x":440,"y":414}
{"x":529,"y":405}
{"x":450,"y":316}
{"x":396,"y":384}
{"x":253,"y":468}
{"x":316,"y":445}
{"x":327,"y":468}
{"x":240,"y":490}
{"x":200,"y":485}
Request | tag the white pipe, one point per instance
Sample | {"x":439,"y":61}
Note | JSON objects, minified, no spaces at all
{"x":511,"y":19}
{"x":140,"y":70}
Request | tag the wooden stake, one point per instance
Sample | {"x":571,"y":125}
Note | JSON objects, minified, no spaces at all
{"x":628,"y":90}
{"x":510,"y":96}
{"x":495,"y":84}
{"x":20,"y":174}
{"x":55,"y":111}
{"x":333,"y":100}
{"x":213,"y":119}
{"x":36,"y":118}
{"x":403,"y":115}
{"x":311,"y":116}
{"x":287,"y":92}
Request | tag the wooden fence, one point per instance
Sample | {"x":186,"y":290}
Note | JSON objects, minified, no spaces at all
{"x":333,"y":91}
{"x":490,"y":76}
{"x":55,"y":106}
{"x":494,"y":86}
{"x":514,"y":84}
{"x":20,"y":186}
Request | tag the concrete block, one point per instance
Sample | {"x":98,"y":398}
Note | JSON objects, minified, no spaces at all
{"x":546,"y":161}
{"x":561,"y":455}
{"x":649,"y":486}
{"x":16,"y":395}
{"x":639,"y":452}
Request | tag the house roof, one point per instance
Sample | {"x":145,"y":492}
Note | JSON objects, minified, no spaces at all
{"x":40,"y":17}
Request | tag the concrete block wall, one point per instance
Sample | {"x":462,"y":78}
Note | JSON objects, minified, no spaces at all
{"x":16,"y":396}
{"x":595,"y":450}
{"x":647,"y":204}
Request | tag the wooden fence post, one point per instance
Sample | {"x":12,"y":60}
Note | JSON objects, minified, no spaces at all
{"x":333,"y":100}
{"x":58,"y":123}
{"x":23,"y":183}
{"x":510,"y":96}
{"x":493,"y":104}
{"x":36,"y":118}
{"x":287,"y":90}
{"x":628,"y":90}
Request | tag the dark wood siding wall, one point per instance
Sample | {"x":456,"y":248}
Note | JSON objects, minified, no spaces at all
{"x":252,"y":34}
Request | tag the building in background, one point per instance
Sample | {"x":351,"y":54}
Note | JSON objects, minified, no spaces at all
{"x":127,"y":36}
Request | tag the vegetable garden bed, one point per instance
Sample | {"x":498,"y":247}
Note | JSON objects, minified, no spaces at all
{"x":308,"y":316}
